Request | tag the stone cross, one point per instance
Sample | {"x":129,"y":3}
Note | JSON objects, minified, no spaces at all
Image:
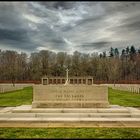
{"x":67,"y":75}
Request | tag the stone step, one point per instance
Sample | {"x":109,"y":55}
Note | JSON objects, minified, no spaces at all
{"x":70,"y":122}
{"x":26,"y":116}
{"x":69,"y":110}
{"x":61,"y":119}
{"x":73,"y":115}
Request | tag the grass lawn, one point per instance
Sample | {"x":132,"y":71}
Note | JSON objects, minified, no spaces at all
{"x":16,"y":98}
{"x":123,"y":98}
{"x":69,"y":133}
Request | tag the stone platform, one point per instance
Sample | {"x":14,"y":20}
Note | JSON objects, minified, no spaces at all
{"x":26,"y":116}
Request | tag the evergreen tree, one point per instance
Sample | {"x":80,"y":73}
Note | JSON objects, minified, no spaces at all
{"x":132,"y":50}
{"x":104,"y":54}
{"x":116,"y":52}
{"x":111,"y":52}
{"x":101,"y":55}
{"x":127,"y":50}
{"x":123,"y":53}
{"x":132,"y":53}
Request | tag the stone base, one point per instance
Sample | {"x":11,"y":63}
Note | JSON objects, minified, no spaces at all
{"x":26,"y":116}
{"x":69,"y":104}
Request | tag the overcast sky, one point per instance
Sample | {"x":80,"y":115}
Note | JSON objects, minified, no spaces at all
{"x":68,"y":26}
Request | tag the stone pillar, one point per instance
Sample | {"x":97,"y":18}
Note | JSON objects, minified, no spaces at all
{"x":86,"y":81}
{"x":72,"y":81}
{"x":42,"y":81}
{"x":77,"y":81}
{"x":92,"y":81}
{"x":57,"y":81}
{"x":81,"y":81}
{"x":47,"y":80}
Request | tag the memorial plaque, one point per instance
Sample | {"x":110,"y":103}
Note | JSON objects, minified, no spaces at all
{"x":71,"y":96}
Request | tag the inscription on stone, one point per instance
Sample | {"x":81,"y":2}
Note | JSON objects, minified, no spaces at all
{"x":65,"y":97}
{"x":70,"y":96}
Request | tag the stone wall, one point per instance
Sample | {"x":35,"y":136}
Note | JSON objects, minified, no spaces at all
{"x":72,"y":80}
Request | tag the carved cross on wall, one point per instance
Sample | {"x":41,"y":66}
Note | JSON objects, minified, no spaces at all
{"x":67,"y":74}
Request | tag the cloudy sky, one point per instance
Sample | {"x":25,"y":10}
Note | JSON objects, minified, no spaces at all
{"x":68,"y":26}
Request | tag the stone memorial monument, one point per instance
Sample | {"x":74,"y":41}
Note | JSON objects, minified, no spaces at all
{"x":69,"y":95}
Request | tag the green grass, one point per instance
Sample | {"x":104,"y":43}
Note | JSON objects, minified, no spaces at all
{"x":70,"y":133}
{"x":123,"y":98}
{"x":16,"y":98}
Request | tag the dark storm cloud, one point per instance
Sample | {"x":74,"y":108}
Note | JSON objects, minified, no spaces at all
{"x":14,"y":29}
{"x":129,"y":27}
{"x":68,"y":26}
{"x":16,"y":39}
{"x":57,"y":5}
{"x":20,"y":35}
{"x":11,"y":16}
{"x":96,"y":45}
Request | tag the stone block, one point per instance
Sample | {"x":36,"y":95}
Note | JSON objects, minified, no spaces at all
{"x":70,"y":96}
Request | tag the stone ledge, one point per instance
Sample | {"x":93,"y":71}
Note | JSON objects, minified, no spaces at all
{"x":67,"y":115}
{"x":111,"y":109}
{"x":36,"y":123}
{"x":68,"y":104}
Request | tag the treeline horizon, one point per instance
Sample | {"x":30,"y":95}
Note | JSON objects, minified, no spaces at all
{"x":124,"y":65}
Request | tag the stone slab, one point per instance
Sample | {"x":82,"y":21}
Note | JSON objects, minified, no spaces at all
{"x":61,"y":119}
{"x":70,"y":96}
{"x":6,"y":109}
{"x":66,"y":115}
{"x":29,"y":109}
{"x":71,"y":122}
{"x":111,"y":109}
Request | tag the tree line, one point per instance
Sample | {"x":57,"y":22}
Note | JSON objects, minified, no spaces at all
{"x":124,"y":65}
